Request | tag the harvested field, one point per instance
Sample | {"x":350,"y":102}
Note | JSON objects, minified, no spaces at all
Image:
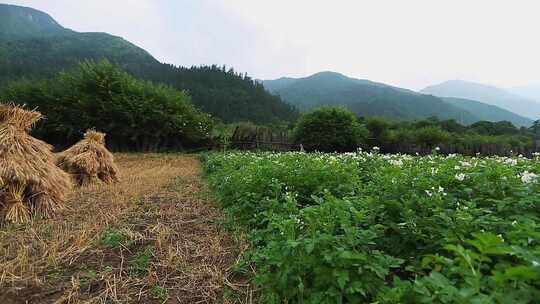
{"x":154,"y":237}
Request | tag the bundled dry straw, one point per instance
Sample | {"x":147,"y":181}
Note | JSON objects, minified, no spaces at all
{"x":89,"y":160}
{"x":30,"y":182}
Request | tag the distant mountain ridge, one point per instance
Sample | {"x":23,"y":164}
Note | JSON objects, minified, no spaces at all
{"x":531,"y":91}
{"x":34,"y":45}
{"x":486,"y":94}
{"x":488,"y":112}
{"x":369,"y":98}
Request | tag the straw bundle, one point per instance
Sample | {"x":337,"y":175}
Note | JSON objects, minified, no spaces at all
{"x":30,"y":183}
{"x":89,"y":160}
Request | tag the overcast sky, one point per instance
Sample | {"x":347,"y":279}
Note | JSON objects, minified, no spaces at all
{"x":410,"y":43}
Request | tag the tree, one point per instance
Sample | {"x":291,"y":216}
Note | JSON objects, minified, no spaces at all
{"x":431,"y":136}
{"x":535,"y":128}
{"x":494,"y":128}
{"x":135,"y":114}
{"x":330,"y":129}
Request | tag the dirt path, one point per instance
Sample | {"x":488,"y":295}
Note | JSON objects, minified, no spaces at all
{"x":155,"y":237}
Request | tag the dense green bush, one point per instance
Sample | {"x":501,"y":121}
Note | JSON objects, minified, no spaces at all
{"x":494,"y":128}
{"x":500,"y":138}
{"x":376,"y":228}
{"x":430,"y":136}
{"x":135,"y":114}
{"x":330,"y":130}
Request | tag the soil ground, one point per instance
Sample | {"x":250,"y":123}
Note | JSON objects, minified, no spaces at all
{"x":155,"y":237}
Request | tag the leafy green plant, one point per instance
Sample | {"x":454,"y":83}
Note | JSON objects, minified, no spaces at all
{"x":159,"y":292}
{"x":142,"y":261}
{"x":114,"y":238}
{"x":370,"y":227}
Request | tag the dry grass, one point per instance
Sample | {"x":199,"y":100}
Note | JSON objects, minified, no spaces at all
{"x":154,"y":237}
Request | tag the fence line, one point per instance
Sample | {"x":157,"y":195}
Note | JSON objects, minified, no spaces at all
{"x":264,"y":138}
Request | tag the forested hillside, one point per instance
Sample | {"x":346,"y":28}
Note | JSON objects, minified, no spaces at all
{"x":17,"y":22}
{"x":34,"y":45}
{"x":489,"y":112}
{"x":368,"y":98}
{"x":487,"y":94}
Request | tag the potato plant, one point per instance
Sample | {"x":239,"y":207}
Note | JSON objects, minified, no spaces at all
{"x":374,"y":228}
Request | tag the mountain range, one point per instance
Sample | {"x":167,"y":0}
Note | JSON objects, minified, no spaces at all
{"x":506,"y":99}
{"x":531,"y":91}
{"x":369,"y":98}
{"x":33,"y":45}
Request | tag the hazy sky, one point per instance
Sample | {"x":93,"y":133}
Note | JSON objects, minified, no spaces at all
{"x":410,"y":43}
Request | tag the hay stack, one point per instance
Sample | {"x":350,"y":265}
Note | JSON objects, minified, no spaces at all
{"x":89,"y":160}
{"x":30,"y":182}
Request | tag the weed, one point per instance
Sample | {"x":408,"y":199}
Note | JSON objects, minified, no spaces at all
{"x":159,"y":292}
{"x":142,"y":261}
{"x":114,"y":238}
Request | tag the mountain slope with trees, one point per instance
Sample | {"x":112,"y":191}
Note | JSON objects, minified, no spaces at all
{"x":486,"y":94}
{"x":19,"y":22}
{"x":34,"y":46}
{"x":368,"y":98}
{"x":364,"y":97}
{"x":488,"y":112}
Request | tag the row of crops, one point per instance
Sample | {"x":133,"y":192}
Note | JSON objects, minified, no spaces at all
{"x":372,"y":228}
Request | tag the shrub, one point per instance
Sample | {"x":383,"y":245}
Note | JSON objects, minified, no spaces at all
{"x":135,"y":114}
{"x":330,"y":130}
{"x":431,"y":136}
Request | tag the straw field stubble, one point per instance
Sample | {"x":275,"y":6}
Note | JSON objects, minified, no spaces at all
{"x":154,"y":237}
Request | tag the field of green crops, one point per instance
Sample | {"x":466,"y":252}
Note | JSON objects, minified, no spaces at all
{"x":372,"y":228}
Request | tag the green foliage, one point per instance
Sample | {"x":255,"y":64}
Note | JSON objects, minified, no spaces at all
{"x":423,"y":135}
{"x":226,"y":94}
{"x":376,"y":228}
{"x":330,"y":130}
{"x":319,"y":176}
{"x":160,"y":293}
{"x":114,"y":238}
{"x":135,"y":114}
{"x":494,"y":128}
{"x":430,"y":136}
{"x":141,"y":263}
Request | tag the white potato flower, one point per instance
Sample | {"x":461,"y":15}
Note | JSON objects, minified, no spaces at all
{"x":528,"y":177}
{"x":510,"y":161}
{"x":396,"y":162}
